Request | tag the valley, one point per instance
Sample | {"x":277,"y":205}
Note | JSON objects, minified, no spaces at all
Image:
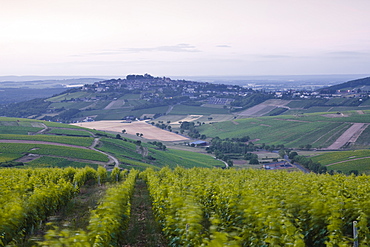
{"x":191,"y":165}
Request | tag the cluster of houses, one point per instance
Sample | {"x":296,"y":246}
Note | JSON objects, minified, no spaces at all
{"x":150,"y":87}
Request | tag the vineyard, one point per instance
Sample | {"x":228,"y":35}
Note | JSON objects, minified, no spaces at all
{"x":194,"y":207}
{"x":258,"y":208}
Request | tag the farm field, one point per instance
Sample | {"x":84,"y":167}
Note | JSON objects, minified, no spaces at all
{"x":71,"y":140}
{"x":69,"y":132}
{"x":68,"y":105}
{"x":334,"y":157}
{"x":345,"y":161}
{"x":45,"y":161}
{"x":361,"y":165}
{"x":319,"y":130}
{"x":128,"y":154}
{"x":69,"y":96}
{"x":196,"y":110}
{"x":148,"y":131}
{"x":54,"y":150}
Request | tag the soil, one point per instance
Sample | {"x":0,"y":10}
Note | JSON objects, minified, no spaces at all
{"x":149,"y":131}
{"x":348,"y":135}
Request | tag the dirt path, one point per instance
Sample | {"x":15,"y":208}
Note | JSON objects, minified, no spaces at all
{"x":45,"y":128}
{"x":350,"y":135}
{"x":111,"y":158}
{"x":143,"y":230}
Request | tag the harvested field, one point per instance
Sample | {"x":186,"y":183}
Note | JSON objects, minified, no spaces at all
{"x":264,"y":108}
{"x":149,"y":131}
{"x":189,"y":118}
{"x":350,"y":135}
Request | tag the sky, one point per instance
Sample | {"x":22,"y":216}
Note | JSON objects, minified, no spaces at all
{"x":184,"y":38}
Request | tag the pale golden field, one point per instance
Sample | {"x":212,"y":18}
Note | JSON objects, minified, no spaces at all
{"x":148,"y":131}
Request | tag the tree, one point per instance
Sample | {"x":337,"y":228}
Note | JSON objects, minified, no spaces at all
{"x":230,"y":163}
{"x":118,"y":136}
{"x":123,"y":131}
{"x":254,"y":161}
{"x":137,"y":134}
{"x":282,"y":153}
{"x":292,"y":155}
{"x":355,"y":172}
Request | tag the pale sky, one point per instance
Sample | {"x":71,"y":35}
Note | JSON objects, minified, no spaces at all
{"x":184,"y":37}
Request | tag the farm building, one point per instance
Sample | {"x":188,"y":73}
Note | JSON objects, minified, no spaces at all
{"x":277,"y":165}
{"x":199,"y":143}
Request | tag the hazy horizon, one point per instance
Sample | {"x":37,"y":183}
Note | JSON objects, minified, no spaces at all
{"x":192,"y":38}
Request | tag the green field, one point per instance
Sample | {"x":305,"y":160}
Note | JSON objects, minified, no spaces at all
{"x":196,"y":110}
{"x":333,"y":157}
{"x":173,"y":158}
{"x":138,"y":165}
{"x":130,"y":96}
{"x":78,"y":141}
{"x":361,"y":165}
{"x":120,"y":149}
{"x":70,"y":105}
{"x":69,"y":96}
{"x":70,"y":132}
{"x":346,"y":160}
{"x":127,"y":153}
{"x":20,"y":130}
{"x":9,"y":156}
{"x":318,"y":130}
{"x":51,"y":150}
{"x":45,"y":161}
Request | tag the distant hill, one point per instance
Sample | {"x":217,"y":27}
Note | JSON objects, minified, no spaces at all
{"x":354,"y":85}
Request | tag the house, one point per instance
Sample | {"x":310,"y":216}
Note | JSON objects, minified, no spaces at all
{"x":198,"y":143}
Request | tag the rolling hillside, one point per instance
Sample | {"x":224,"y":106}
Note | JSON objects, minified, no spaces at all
{"x":317,"y":129}
{"x":354,"y":85}
{"x":33,"y":143}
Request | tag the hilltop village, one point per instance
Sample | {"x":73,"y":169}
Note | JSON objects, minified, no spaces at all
{"x":154,"y":88}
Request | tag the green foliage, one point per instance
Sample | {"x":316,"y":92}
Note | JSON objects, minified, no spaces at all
{"x":29,"y":196}
{"x":315,"y":167}
{"x":107,"y":222}
{"x":250,"y":100}
{"x":25,"y":109}
{"x":258,"y":208}
{"x":46,"y":161}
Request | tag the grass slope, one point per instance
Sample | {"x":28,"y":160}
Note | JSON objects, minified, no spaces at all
{"x":319,"y":129}
{"x":346,"y":160}
{"x":131,"y":156}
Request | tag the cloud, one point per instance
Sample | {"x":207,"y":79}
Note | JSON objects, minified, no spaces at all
{"x":223,"y":46}
{"x":170,"y":48}
{"x":274,"y":56}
